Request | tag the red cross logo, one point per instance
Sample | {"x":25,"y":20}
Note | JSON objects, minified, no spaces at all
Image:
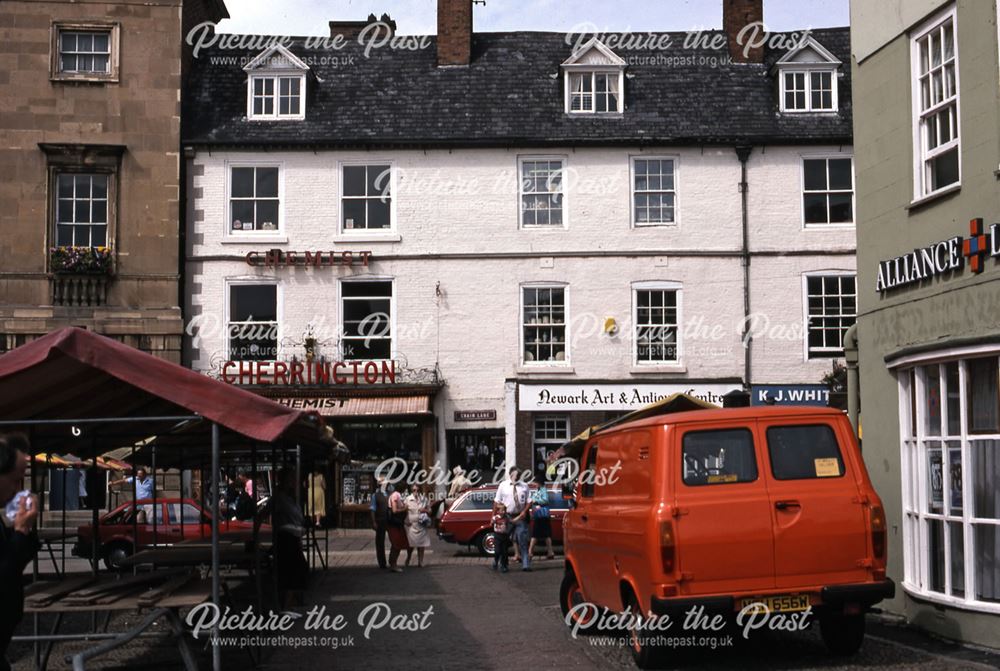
{"x":976,"y":246}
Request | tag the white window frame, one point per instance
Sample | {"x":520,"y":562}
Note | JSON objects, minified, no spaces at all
{"x":921,"y":186}
{"x":592,"y":72}
{"x":657,"y":285}
{"x":276,"y":95}
{"x":230,"y":282}
{"x":805,"y":309}
{"x":113,"y":31}
{"x":802,"y":189}
{"x":565,"y":363}
{"x":393,"y":308}
{"x":270,"y":236}
{"x":553,"y":443}
{"x":675,"y":158}
{"x":916,"y":565}
{"x":563,"y":192}
{"x":366,"y":233}
{"x":808,"y":71}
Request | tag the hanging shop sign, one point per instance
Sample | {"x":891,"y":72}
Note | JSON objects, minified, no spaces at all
{"x":275,"y":258}
{"x":309,"y":373}
{"x":790,"y":394}
{"x":946,"y":256}
{"x":475,"y":415}
{"x":544,"y":397}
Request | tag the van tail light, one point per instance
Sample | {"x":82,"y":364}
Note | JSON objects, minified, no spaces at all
{"x":668,"y":546}
{"x":877,"y":519}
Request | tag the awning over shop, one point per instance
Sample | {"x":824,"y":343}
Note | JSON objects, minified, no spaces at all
{"x":364,"y":406}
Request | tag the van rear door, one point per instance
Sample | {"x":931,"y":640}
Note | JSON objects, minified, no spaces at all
{"x":723,"y":515}
{"x":820,"y":532}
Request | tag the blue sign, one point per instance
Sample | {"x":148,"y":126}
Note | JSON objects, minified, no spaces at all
{"x":790,"y":394}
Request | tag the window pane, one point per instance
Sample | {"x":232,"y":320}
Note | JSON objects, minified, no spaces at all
{"x":841,"y":208}
{"x":983,"y":402}
{"x":986,"y":478}
{"x":354,"y":214}
{"x":815,"y":175}
{"x":932,"y":404}
{"x":840,"y":174}
{"x":987,"y":562}
{"x":935,"y":478}
{"x":815,"y":208}
{"x":258,"y":301}
{"x":267,"y":215}
{"x":804,"y":452}
{"x":378,"y":213}
{"x":944,"y":170}
{"x":354,"y":180}
{"x":242,"y":212}
{"x":378,"y":182}
{"x":366,"y":289}
{"x":242,"y":186}
{"x":267,"y":183}
{"x":935,"y":555}
{"x":718,"y":457}
{"x":953,"y":398}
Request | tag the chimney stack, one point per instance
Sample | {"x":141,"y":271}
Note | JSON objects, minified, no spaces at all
{"x":454,"y":32}
{"x":351,"y":29}
{"x":736,"y":15}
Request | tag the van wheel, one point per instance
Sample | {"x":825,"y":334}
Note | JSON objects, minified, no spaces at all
{"x":115,"y":554}
{"x":644,"y":654}
{"x":842,"y":634}
{"x":486,"y":543}
{"x":571,"y":600}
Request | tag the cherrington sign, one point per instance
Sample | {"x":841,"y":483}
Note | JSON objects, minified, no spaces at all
{"x":306,"y":373}
{"x":942,"y":257}
{"x":275,"y":258}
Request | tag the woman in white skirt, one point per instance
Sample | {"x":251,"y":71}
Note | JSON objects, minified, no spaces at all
{"x":417,"y":523}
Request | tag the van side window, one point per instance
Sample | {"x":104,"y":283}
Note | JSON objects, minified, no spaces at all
{"x":718,"y":457}
{"x":804,"y":452}
{"x":587,"y":488}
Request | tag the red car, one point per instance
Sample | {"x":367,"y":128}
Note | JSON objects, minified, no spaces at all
{"x":175,"y":520}
{"x":468,"y":521}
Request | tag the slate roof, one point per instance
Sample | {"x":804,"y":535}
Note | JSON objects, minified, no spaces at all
{"x":511,"y":95}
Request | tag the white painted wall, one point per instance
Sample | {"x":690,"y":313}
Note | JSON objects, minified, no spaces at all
{"x":471,"y":331}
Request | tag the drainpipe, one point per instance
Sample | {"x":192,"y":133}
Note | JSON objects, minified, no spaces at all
{"x":853,"y":385}
{"x":743,"y":154}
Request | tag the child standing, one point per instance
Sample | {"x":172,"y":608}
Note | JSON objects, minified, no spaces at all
{"x":501,"y":533}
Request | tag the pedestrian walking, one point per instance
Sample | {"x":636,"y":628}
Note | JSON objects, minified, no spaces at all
{"x":541,"y":522}
{"x":317,"y":496}
{"x":288,"y":527}
{"x":418,"y":520}
{"x":18,"y":540}
{"x":501,"y":536}
{"x":514,"y":495}
{"x":397,"y":531}
{"x":380,"y":519}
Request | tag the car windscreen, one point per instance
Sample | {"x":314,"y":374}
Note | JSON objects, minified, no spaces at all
{"x":804,"y":452}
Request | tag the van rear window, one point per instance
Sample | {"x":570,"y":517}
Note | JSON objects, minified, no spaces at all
{"x":718,"y":457}
{"x":804,"y":452}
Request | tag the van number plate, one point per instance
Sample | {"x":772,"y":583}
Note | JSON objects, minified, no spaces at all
{"x":786,"y":603}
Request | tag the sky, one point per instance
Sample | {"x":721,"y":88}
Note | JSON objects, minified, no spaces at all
{"x":417,"y":17}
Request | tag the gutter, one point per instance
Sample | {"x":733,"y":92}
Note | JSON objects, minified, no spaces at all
{"x":853,"y":383}
{"x":743,"y":154}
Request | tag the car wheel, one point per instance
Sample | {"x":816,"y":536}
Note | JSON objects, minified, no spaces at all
{"x":842,"y":634}
{"x":644,"y":654}
{"x":570,"y":601}
{"x":486,"y":542}
{"x":115,"y":554}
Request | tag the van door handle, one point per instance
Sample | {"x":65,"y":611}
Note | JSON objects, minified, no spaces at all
{"x":583,"y":518}
{"x":785,"y":505}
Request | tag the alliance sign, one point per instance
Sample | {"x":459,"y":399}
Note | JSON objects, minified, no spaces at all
{"x":942,"y":257}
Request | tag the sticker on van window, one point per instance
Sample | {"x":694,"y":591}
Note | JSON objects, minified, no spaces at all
{"x":827,"y":468}
{"x":728,"y":477}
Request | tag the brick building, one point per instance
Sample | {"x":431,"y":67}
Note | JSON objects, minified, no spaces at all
{"x":541,"y":234}
{"x":90,"y":128}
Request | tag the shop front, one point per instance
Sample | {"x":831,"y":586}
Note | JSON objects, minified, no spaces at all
{"x":550,"y":413}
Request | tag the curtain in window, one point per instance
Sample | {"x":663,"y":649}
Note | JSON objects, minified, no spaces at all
{"x":613,"y":93}
{"x":576,"y":97}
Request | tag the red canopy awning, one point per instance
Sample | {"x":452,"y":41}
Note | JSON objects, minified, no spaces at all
{"x":76,"y":374}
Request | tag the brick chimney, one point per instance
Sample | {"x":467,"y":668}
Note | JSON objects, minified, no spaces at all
{"x":736,"y":15}
{"x":454,"y":33}
{"x":351,"y":29}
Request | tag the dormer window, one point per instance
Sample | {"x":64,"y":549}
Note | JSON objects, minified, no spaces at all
{"x":807,"y":78}
{"x":276,"y":86}
{"x":594,"y":80}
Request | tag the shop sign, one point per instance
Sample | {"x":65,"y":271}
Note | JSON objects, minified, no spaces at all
{"x":475,"y":415}
{"x":624,"y":396}
{"x":309,"y":373}
{"x":275,"y":258}
{"x":942,"y":257}
{"x":311,"y":403}
{"x":790,"y":394}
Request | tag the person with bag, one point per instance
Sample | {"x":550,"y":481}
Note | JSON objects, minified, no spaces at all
{"x":397,"y":531}
{"x":417,"y":521}
{"x":513,"y":493}
{"x":541,"y":522}
{"x":501,"y":534}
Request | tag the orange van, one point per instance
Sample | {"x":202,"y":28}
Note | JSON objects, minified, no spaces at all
{"x":722,"y":509}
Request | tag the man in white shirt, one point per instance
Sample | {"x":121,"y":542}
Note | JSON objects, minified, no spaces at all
{"x":513,"y":493}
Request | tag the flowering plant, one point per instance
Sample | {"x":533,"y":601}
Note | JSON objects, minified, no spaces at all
{"x":89,"y":260}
